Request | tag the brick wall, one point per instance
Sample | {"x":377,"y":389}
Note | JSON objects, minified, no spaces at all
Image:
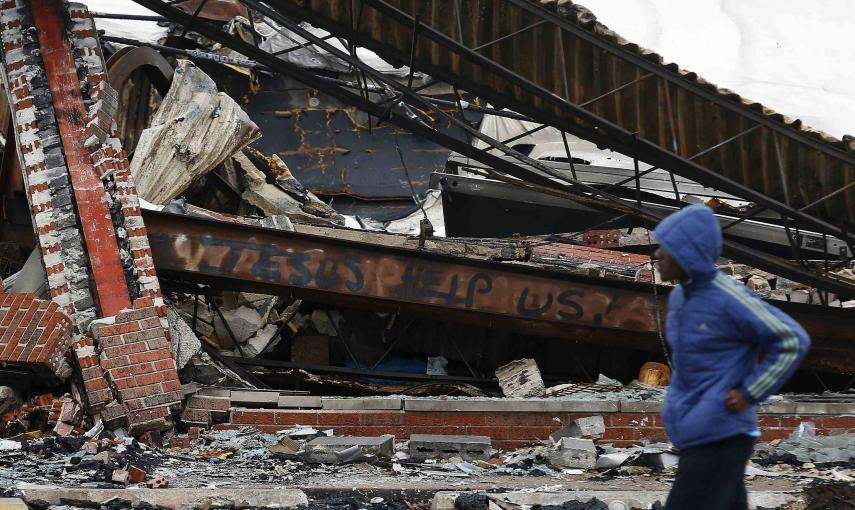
{"x":138,"y":367}
{"x":507,"y":429}
{"x":34,"y":332}
{"x":46,"y":176}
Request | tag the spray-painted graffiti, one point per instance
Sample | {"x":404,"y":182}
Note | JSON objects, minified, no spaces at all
{"x":318,"y":263}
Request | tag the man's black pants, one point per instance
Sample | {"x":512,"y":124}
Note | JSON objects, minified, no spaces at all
{"x":712,"y":476}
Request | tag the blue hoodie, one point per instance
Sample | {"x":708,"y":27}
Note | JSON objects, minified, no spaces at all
{"x":717,"y":330}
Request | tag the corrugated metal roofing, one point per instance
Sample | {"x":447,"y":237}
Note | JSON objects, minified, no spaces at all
{"x":814,"y":163}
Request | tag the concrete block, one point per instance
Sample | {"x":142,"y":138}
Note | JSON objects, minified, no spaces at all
{"x":297,"y":402}
{"x":250,"y":398}
{"x":362,"y":404}
{"x":571,"y":452}
{"x":777,"y":408}
{"x":521,"y":379}
{"x":513,"y":405}
{"x":641,"y":406}
{"x":337,"y":449}
{"x":429,"y":446}
{"x":590,"y":427}
{"x":824,"y":408}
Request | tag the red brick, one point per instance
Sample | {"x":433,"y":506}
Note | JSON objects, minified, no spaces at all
{"x":451,"y":418}
{"x":332,"y":418}
{"x":835,"y":422}
{"x":630,"y":420}
{"x":531,"y":432}
{"x":772,"y":434}
{"x":252,"y":417}
{"x":382,"y":418}
{"x":171,"y":384}
{"x":220,"y":404}
{"x":626,"y":433}
{"x":495,"y":433}
{"x":179,"y":441}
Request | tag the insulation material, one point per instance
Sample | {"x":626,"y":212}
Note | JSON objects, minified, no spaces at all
{"x":193,"y":131}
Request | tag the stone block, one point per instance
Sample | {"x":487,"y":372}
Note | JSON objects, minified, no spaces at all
{"x":250,"y":398}
{"x":429,"y":446}
{"x":338,"y":449}
{"x":298,"y":402}
{"x":574,"y":453}
{"x":777,"y":408}
{"x":825,"y":408}
{"x":641,"y":406}
{"x":513,"y":405}
{"x":362,"y":404}
{"x":590,"y":427}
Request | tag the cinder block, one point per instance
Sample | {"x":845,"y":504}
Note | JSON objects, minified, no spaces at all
{"x":429,"y":446}
{"x":336,"y":449}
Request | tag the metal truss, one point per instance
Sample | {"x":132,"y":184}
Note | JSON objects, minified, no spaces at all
{"x":403,"y":105}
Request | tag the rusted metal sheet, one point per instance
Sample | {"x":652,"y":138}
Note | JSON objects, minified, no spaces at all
{"x":683,"y":112}
{"x":418,"y":282}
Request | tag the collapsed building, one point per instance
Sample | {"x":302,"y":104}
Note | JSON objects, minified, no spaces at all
{"x":285,"y":213}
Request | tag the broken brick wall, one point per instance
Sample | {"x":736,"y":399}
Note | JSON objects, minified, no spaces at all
{"x":125,"y":363}
{"x":35,"y":332}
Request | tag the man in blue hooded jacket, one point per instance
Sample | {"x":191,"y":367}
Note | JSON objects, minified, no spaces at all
{"x":717,"y":330}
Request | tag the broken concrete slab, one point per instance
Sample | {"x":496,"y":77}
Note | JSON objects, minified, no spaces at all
{"x":589,"y":427}
{"x":194,"y":130}
{"x":521,"y":379}
{"x":184,"y":342}
{"x":243,"y":321}
{"x":571,"y":452}
{"x":179,"y":499}
{"x":432,"y":446}
{"x":339,"y":449}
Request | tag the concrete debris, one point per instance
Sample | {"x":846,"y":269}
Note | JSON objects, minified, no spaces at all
{"x":591,"y":427}
{"x":521,"y":379}
{"x":344,"y":449}
{"x":185,"y":344}
{"x":428,"y":446}
{"x":194,"y":129}
{"x":571,"y":452}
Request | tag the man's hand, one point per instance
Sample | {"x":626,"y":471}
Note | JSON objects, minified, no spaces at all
{"x":735,"y":401}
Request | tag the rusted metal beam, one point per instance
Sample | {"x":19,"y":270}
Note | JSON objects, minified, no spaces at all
{"x":522,"y":297}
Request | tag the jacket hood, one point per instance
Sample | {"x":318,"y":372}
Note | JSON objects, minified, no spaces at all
{"x":693,"y":237}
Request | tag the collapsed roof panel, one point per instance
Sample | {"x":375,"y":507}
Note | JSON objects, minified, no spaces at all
{"x":557,"y":50}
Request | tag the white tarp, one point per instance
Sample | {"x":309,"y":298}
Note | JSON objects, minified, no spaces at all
{"x":145,"y":31}
{"x":795,"y":57}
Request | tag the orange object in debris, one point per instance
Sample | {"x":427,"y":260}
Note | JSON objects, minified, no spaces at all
{"x":654,"y":374}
